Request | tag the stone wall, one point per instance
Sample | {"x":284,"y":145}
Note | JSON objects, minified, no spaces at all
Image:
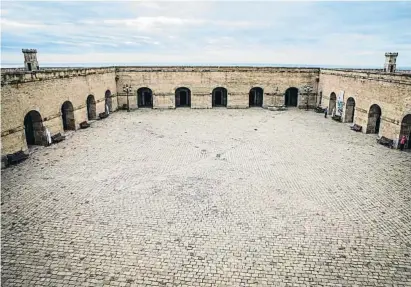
{"x":390,"y":91}
{"x":163,"y":81}
{"x":45,"y":92}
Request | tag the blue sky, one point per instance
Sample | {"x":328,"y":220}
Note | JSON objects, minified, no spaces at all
{"x":353,"y":34}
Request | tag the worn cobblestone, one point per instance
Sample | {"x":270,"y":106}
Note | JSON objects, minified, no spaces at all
{"x":209,"y":198}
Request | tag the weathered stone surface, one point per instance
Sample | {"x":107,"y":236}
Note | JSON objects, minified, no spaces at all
{"x":46,"y":90}
{"x":142,"y":198}
{"x":391,"y":91}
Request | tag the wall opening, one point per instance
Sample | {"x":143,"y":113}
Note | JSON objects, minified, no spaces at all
{"x":108,"y":104}
{"x":350,"y":110}
{"x":183,"y":97}
{"x":144,"y":98}
{"x":67,"y":114}
{"x":219,"y":97}
{"x":374,"y":120}
{"x":406,"y":130}
{"x":91,"y":107}
{"x":33,"y":128}
{"x":291,"y":97}
{"x":255,"y":97}
{"x":332,"y":104}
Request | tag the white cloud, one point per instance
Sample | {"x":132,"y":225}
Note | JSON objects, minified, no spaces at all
{"x":10,"y":24}
{"x":236,"y":32}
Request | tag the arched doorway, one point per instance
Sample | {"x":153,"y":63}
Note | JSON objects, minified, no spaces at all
{"x":144,"y":98}
{"x":219,"y":95}
{"x":183,"y":97}
{"x":255,"y":97}
{"x":332,"y":104}
{"x":107,"y":97}
{"x":33,"y":128}
{"x":374,"y":120}
{"x":291,"y":97}
{"x":406,"y":130}
{"x":67,"y":114}
{"x":350,"y":110}
{"x":91,"y":107}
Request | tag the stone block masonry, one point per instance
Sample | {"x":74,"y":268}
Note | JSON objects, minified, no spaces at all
{"x":391,"y":92}
{"x":211,"y":197}
{"x":45,"y":91}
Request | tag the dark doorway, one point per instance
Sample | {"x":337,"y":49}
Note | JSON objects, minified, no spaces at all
{"x":255,"y":97}
{"x":144,"y":98}
{"x":108,"y":106}
{"x":219,"y":97}
{"x":374,"y":120}
{"x":29,"y":66}
{"x":91,"y":107}
{"x":406,"y":130}
{"x":332,"y":104}
{"x":291,"y":97}
{"x":350,"y":110}
{"x":67,"y":114}
{"x":33,"y":128}
{"x":183,"y":97}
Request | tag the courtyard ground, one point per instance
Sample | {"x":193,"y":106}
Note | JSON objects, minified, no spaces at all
{"x":209,"y":198}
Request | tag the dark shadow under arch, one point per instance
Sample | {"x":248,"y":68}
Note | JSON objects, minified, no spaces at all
{"x":67,"y":114}
{"x":219,"y":97}
{"x":291,"y":97}
{"x":144,"y":98}
{"x":33,"y":128}
{"x":406,"y":130}
{"x":332,"y":104}
{"x":183,"y":97}
{"x":350,"y":110}
{"x":255,"y":97}
{"x":374,"y":119}
{"x":91,"y":108}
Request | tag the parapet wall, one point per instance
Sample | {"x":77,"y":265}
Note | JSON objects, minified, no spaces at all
{"x":372,"y":75}
{"x":163,"y":81}
{"x":46,"y":90}
{"x":390,"y":91}
{"x":17,"y":76}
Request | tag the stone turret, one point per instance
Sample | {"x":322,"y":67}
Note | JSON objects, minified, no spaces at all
{"x":30,"y":59}
{"x":390,"y":62}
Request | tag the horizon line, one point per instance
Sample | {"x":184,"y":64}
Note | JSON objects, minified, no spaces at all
{"x":94,"y":64}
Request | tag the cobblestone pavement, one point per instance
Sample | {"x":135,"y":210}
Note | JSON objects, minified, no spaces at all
{"x":209,"y":198}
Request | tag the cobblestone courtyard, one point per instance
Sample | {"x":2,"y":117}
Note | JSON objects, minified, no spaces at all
{"x":209,"y":198}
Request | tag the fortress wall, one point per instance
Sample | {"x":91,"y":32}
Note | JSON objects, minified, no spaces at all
{"x":45,"y":92}
{"x":392,"y":92}
{"x":163,"y":81}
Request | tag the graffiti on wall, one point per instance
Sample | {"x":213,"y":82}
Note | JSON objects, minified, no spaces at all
{"x":340,"y":103}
